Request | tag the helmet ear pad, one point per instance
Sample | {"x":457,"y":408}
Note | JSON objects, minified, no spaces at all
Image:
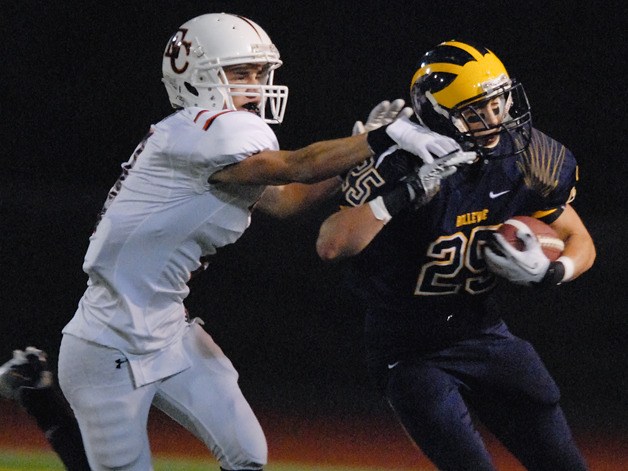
{"x":215,"y":98}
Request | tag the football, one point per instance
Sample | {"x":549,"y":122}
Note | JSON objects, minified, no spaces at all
{"x":551,"y":244}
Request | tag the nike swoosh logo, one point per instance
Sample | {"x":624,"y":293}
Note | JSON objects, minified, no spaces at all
{"x":392,"y":365}
{"x":497,"y":195}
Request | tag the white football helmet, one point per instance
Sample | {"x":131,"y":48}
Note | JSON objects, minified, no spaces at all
{"x":195,"y":57}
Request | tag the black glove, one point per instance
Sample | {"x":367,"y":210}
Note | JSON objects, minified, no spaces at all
{"x":423,"y":183}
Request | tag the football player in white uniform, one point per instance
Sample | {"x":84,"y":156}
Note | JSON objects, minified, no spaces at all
{"x":187,"y":190}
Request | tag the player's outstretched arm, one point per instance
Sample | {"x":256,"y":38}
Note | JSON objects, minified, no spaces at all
{"x":326,"y":159}
{"x":310,"y":164}
{"x":291,"y":199}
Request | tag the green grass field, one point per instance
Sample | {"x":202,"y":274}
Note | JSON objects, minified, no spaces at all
{"x":295,"y":444}
{"x":11,"y":460}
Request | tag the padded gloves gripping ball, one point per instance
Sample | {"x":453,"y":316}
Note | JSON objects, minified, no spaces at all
{"x":526,"y":251}
{"x":551,"y":244}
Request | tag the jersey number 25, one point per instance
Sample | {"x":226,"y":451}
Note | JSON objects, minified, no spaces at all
{"x":455,"y":262}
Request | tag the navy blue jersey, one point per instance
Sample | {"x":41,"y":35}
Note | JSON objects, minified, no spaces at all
{"x":425,"y":269}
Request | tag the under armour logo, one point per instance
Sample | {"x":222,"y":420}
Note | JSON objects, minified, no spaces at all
{"x":174,"y":48}
{"x":119,"y":363}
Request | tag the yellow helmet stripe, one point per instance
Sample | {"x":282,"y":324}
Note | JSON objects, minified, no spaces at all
{"x":470,"y":80}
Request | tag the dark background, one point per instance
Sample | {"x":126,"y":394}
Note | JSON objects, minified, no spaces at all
{"x":81,"y":84}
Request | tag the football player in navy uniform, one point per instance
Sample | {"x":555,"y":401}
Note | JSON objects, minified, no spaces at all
{"x":421,"y":265}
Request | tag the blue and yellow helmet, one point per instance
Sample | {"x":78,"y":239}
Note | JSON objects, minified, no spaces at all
{"x":455,"y":81}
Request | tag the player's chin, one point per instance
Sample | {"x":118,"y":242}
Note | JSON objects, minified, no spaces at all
{"x":489,"y":142}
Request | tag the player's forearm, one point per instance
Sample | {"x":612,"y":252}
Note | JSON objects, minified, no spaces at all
{"x":579,"y":248}
{"x":347,"y":233}
{"x":325,"y":159}
{"x":310,"y":164}
{"x":292,"y":199}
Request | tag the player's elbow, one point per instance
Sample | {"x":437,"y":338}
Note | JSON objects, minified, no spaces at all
{"x":592,"y":255}
{"x":342,"y":236}
{"x":588,"y":249}
{"x":585,"y":254}
{"x":328,"y":249}
{"x":334,"y":244}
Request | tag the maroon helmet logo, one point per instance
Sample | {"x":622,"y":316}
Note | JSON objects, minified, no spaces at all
{"x":176,"y":44}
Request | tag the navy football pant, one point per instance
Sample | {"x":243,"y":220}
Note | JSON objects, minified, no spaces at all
{"x":504,"y":382}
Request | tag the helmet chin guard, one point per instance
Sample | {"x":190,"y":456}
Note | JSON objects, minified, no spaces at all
{"x":196,"y":55}
{"x":452,"y":85}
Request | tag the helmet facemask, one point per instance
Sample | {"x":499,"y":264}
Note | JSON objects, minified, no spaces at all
{"x":210,"y":85}
{"x":511,"y":121}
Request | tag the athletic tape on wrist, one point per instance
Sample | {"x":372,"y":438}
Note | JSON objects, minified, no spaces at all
{"x":569,"y":267}
{"x":379,"y":210}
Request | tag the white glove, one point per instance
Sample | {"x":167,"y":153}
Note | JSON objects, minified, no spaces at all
{"x":382,"y":114}
{"x":523,"y":267}
{"x":420,"y":141}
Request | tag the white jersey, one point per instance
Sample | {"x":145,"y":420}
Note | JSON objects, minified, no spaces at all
{"x":160,"y":218}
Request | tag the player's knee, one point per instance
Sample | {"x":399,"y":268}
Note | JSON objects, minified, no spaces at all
{"x":425,"y":385}
{"x":116,"y":444}
{"x":243,"y":446}
{"x":549,"y":396}
{"x":120,"y":456}
{"x":536,"y":383}
{"x":252,"y":453}
{"x":125,"y":458}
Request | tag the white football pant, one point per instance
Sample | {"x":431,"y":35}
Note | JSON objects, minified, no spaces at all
{"x":113,"y":414}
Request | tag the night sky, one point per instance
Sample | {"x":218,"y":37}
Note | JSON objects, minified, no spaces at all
{"x":81,"y":85}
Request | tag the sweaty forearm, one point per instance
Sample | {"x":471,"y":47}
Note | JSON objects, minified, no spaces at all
{"x":310,"y":164}
{"x":326,"y":159}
